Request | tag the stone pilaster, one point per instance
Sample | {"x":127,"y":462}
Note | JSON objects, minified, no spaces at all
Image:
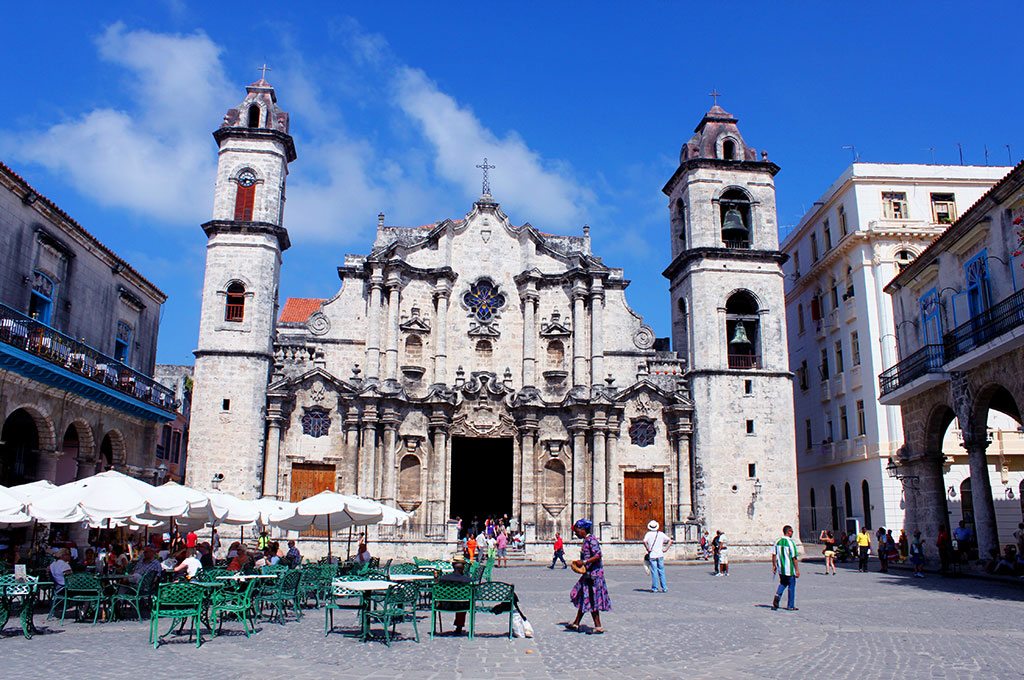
{"x":437,"y":492}
{"x":981,"y":494}
{"x":579,"y":350}
{"x":613,"y":512}
{"x":596,"y":331}
{"x":389,"y":465}
{"x":580,"y":500}
{"x":684,"y":502}
{"x":272,"y":456}
{"x":441,"y":294}
{"x":351,"y":450}
{"x":394,"y":302}
{"x":599,"y":473}
{"x":527,"y":469}
{"x":366,"y":483}
{"x":530,"y":301}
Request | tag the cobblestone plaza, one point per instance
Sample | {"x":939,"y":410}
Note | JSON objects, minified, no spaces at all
{"x":850,"y":625}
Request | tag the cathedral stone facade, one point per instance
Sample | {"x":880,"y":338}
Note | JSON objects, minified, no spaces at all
{"x":474,"y":367}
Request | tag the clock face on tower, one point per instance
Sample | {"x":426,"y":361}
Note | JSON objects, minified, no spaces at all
{"x":246,"y":178}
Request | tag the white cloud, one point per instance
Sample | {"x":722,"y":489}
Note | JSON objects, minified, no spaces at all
{"x":523,"y":181}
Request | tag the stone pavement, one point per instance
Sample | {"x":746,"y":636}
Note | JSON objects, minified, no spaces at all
{"x":850,"y":625}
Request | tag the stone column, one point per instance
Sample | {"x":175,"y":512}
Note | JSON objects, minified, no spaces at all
{"x":684,"y":481}
{"x":441,"y":332}
{"x":272,"y":457}
{"x":924,"y":491}
{"x":351,"y":450}
{"x":580,"y":505}
{"x":394,"y":302}
{"x":86,"y":467}
{"x":530,"y":301}
{"x":612,"y":466}
{"x":981,"y":494}
{"x":373,"y":326}
{"x":579,"y":359}
{"x":527,"y":470}
{"x":599,"y":474}
{"x":367,"y":478}
{"x":387,"y":490}
{"x":47,"y":464}
{"x":436,"y":491}
{"x":596,"y":332}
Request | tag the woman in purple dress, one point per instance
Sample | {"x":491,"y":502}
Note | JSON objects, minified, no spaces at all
{"x":590,"y":593}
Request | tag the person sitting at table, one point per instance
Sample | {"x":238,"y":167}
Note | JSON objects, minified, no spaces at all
{"x":206,"y":555}
{"x":89,"y":561}
{"x":61,"y":567}
{"x":117,"y":561}
{"x":362,"y":553}
{"x":267,"y":558}
{"x":456,"y":576}
{"x":240,"y":559}
{"x":149,"y":562}
{"x":294,"y":557}
{"x":233,"y":550}
{"x":191,"y":564}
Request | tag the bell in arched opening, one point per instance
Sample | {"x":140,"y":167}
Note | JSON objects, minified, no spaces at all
{"x":739,"y":336}
{"x":733,"y":221}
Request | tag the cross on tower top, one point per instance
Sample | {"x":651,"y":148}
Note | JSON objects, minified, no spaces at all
{"x":487,"y":183}
{"x":716,"y":94}
{"x":263,"y":69}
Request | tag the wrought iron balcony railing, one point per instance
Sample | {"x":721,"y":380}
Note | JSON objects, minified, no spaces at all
{"x":744,"y":361}
{"x":25,"y":333}
{"x":988,"y":325}
{"x":738,"y":245}
{"x":928,"y":358}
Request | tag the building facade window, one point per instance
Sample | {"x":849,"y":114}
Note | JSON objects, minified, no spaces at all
{"x":814,"y":247}
{"x":894,"y":205}
{"x":641,"y":432}
{"x":839,"y":357}
{"x":849,"y":284}
{"x":861,"y":425}
{"x":735,"y":213}
{"x":245,"y":195}
{"x":844,"y":428}
{"x":484,"y":300}
{"x":800,"y":318}
{"x":413,"y":350}
{"x":979,"y":293}
{"x":827,"y":232}
{"x":808,"y":434}
{"x":842,"y":222}
{"x":865,"y":492}
{"x":823,"y":368}
{"x":122,"y":341}
{"x":234,"y":307}
{"x":40,"y":305}
{"x":316,"y":421}
{"x":814,"y":513}
{"x":254,"y":116}
{"x":556,"y":355}
{"x":854,"y":349}
{"x":802,"y":376}
{"x":943,"y":208}
{"x":743,"y":331}
{"x":796,"y":263}
{"x":835,"y":293}
{"x":931,"y":317}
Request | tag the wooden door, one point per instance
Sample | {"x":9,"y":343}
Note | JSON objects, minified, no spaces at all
{"x":309,"y":479}
{"x":644,"y":499}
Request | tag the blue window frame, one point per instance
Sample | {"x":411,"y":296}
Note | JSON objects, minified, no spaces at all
{"x":930,"y":316}
{"x":123,"y":341}
{"x":41,"y":304}
{"x":979,"y":296}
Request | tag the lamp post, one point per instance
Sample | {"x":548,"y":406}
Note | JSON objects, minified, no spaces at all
{"x":217,"y":479}
{"x":893,"y":468}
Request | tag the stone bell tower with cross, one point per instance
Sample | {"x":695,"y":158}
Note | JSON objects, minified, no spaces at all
{"x":728,"y":322}
{"x":245,"y":240}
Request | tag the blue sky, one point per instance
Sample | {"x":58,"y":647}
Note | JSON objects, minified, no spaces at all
{"x":581,"y":106}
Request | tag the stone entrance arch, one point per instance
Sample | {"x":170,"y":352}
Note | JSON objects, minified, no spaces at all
{"x":112,"y":452}
{"x":27,"y":453}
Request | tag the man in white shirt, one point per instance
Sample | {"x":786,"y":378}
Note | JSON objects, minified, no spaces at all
{"x":60,"y":567}
{"x":191,"y":564}
{"x":657,"y":542}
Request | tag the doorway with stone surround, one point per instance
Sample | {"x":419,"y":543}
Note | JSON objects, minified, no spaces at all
{"x":481,"y":478}
{"x":644,"y":500}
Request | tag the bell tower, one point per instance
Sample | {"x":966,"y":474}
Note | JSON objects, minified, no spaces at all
{"x":728,"y":322}
{"x":245,"y":240}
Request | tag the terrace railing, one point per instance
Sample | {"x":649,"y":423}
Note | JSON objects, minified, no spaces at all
{"x":928,"y":358}
{"x":988,"y":325}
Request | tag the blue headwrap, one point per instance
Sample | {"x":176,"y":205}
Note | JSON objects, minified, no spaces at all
{"x":584,"y":524}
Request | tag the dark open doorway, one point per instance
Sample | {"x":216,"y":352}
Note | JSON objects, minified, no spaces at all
{"x":481,"y":478}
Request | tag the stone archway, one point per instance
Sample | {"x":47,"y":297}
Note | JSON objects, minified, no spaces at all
{"x":112,"y":451}
{"x":28,"y":452}
{"x":77,"y":446}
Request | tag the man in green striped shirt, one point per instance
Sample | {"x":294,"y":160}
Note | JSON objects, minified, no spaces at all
{"x":785,"y":564}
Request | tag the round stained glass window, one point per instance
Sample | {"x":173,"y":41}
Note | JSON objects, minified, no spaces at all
{"x":483,"y":299}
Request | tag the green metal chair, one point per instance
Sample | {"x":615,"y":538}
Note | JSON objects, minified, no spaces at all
{"x":402,"y":569}
{"x":489,"y":596}
{"x":233,"y":602}
{"x":398,"y":605}
{"x":143,"y":592}
{"x":11,"y":591}
{"x":179,"y":602}
{"x":311,"y":585}
{"x":488,"y":568}
{"x":211,"y":575}
{"x":340,"y":592}
{"x":450,"y":598}
{"x":81,"y":590}
{"x":274,"y":569}
{"x":278,"y":596}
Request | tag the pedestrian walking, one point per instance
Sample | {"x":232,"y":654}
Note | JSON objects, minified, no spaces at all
{"x":883,"y":553}
{"x":917,"y":554}
{"x":715,"y":553}
{"x":785,"y":564}
{"x":830,"y":550}
{"x":723,"y":556}
{"x":559,"y":551}
{"x":657,"y":542}
{"x":590,"y":594}
{"x":945,"y":546}
{"x":863,"y":547}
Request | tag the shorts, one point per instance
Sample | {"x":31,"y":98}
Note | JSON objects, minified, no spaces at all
{"x":501,"y":552}
{"x":830,"y":553}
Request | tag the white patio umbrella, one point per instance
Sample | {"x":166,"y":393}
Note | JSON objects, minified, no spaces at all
{"x":108,"y":496}
{"x":271,"y":507}
{"x":31,"y":491}
{"x":199,"y":513}
{"x":330,"y":511}
{"x":231,"y":509}
{"x":12,"y":509}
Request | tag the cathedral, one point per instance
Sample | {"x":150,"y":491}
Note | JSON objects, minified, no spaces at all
{"x":474,"y":367}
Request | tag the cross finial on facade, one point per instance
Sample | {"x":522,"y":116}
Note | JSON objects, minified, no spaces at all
{"x":716,"y":94}
{"x":263,"y":69}
{"x":487,"y":183}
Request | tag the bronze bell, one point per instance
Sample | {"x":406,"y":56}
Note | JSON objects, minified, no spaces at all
{"x":733,"y":220}
{"x":739,"y":337}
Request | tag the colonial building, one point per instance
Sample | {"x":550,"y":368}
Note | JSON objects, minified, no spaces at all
{"x":473,"y":367}
{"x":78,"y":333}
{"x":874,"y":220}
{"x":960,"y":314}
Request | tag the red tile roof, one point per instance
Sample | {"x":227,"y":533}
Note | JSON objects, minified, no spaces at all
{"x":298,"y":310}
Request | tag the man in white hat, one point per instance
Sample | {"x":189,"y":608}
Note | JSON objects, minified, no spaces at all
{"x":657,"y":542}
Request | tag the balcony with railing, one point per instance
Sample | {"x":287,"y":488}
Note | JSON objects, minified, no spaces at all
{"x":997,"y":320}
{"x":928,"y":359}
{"x":744,"y":361}
{"x":36,"y":350}
{"x":737,"y":245}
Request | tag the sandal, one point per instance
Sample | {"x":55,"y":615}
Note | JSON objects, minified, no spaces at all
{"x":597,"y":631}
{"x":572,"y":626}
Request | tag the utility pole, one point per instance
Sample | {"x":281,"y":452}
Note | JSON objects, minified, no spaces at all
{"x":1009,"y":156}
{"x":932,"y":149}
{"x":960,"y":146}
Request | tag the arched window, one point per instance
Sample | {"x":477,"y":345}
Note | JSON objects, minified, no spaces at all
{"x":814,"y":513}
{"x":735,"y":210}
{"x":414,"y":350}
{"x":41,"y":304}
{"x":742,"y":331}
{"x":679,"y":219}
{"x":729,"y":150}
{"x":409,"y":478}
{"x":865,"y":491}
{"x":556,"y":355}
{"x":254,"y":116}
{"x":554,"y":482}
{"x":835,"y":509}
{"x":245,"y":195}
{"x":903,"y":258}
{"x":848,"y":496}
{"x":967,"y":503}
{"x":234,"y":310}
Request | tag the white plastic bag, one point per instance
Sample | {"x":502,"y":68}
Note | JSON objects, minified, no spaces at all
{"x":528,"y":628}
{"x":518,"y":629}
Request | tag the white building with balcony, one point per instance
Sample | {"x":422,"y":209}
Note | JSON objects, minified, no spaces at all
{"x":874,"y":220}
{"x":960,"y":309}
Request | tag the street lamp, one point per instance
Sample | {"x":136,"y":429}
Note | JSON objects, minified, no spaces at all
{"x":217,"y":479}
{"x":161,"y":473}
{"x":893,"y":468}
{"x":757,"y":488}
